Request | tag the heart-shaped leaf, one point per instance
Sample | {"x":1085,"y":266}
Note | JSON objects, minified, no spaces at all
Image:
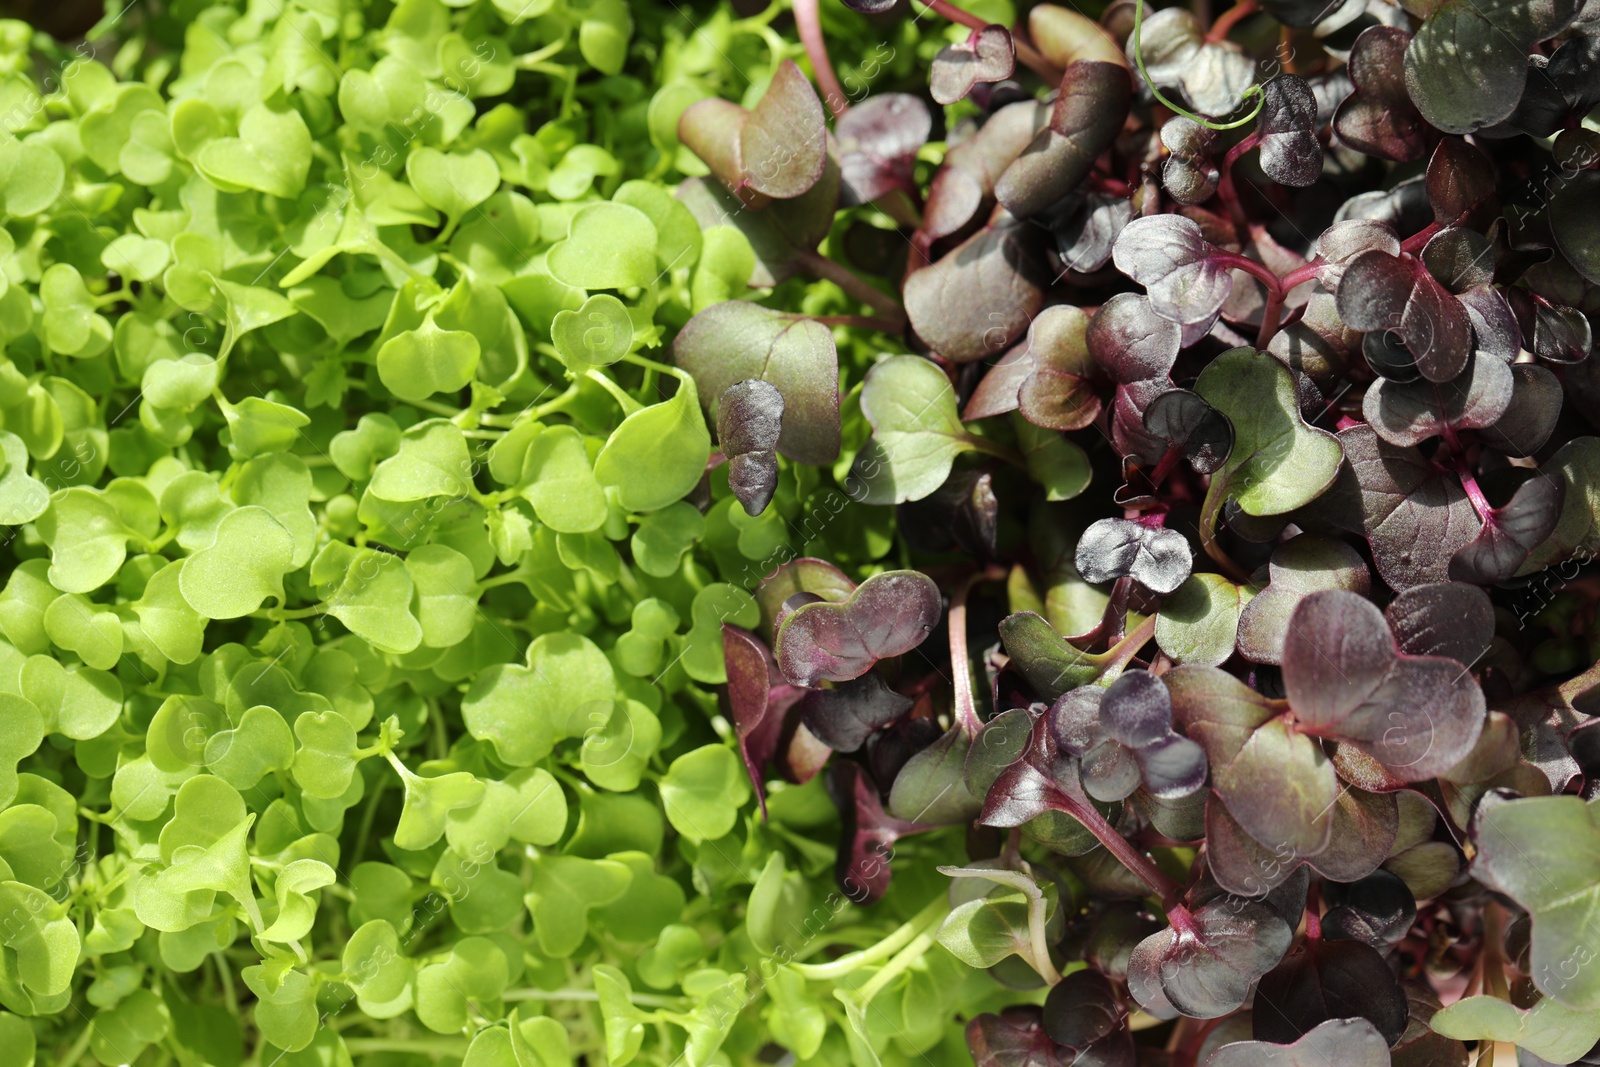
{"x":1417,"y":715}
{"x":987,"y":55}
{"x":1157,"y":558}
{"x":737,"y":340}
{"x":887,"y":615}
{"x":1290,"y":152}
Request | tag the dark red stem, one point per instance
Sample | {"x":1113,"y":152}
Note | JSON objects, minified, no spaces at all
{"x":1416,"y":242}
{"x":1300,"y":275}
{"x":1137,"y":862}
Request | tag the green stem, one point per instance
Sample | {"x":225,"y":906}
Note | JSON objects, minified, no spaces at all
{"x":628,"y":404}
{"x":933,"y":914}
{"x":998,"y":450}
{"x":1039,"y":943}
{"x":1138,"y":59}
{"x":74,"y":1055}
{"x":892,"y":970}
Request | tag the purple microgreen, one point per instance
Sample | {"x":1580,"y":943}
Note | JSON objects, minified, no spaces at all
{"x":981,"y":296}
{"x":749,"y":421}
{"x":1191,"y":426}
{"x":998,"y":391}
{"x":1530,"y":418}
{"x":868,"y":833}
{"x":1378,"y":118}
{"x":758,"y":700}
{"x":1157,"y":558}
{"x":1086,"y":234}
{"x":844,"y":716}
{"x":1378,"y":910}
{"x":1088,"y":115}
{"x":1347,"y":681}
{"x":962,"y":513}
{"x":803,"y":575}
{"x":1462,"y":185}
{"x":1187,"y":276}
{"x":1015,"y":1038}
{"x":1059,"y":393}
{"x":1208,"y":969}
{"x":738,"y":341}
{"x":1290,"y":152}
{"x":1412,"y":412}
{"x":1396,"y":295}
{"x":887,"y":615}
{"x":1510,"y":533}
{"x":1323,"y":980}
{"x":1413,"y":514}
{"x":878,"y":143}
{"x":1190,"y":174}
{"x":1347,"y":1042}
{"x":1342,"y":242}
{"x":1442,"y":619}
{"x":987,"y":55}
{"x":783,"y":145}
{"x":1130,"y":341}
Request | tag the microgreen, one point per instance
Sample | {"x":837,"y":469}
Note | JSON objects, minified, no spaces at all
{"x":787,"y":530}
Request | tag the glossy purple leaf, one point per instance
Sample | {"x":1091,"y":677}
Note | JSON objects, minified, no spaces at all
{"x":783,"y":146}
{"x":1184,"y":273}
{"x":979,"y":298}
{"x":1342,"y":242}
{"x":1414,"y":515}
{"x":843,"y":717}
{"x":971,"y":168}
{"x":1209,"y":972}
{"x":749,"y":421}
{"x":1082,"y":1009}
{"x":1326,"y":980}
{"x":878,"y":143}
{"x":1510,"y":533}
{"x":1346,"y":1042}
{"x":1530,"y":418}
{"x":1378,"y":118}
{"x":1015,"y":1038}
{"x":1346,"y":681}
{"x":997,"y":392}
{"x":887,"y":615}
{"x":1442,"y":619}
{"x":1157,"y":558}
{"x":1187,"y":423}
{"x":1462,"y":185}
{"x":1130,"y":341}
{"x":987,"y":55}
{"x":1190,"y":173}
{"x":804,"y":575}
{"x":1086,"y":235}
{"x":1089,"y":113}
{"x":1377,"y":911}
{"x":738,"y":341}
{"x":1290,"y":152}
{"x":1396,"y":294}
{"x":1410,"y":413}
{"x":758,"y":700}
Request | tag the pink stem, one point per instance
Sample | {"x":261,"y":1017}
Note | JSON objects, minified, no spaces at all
{"x":960,"y":659}
{"x":1225,"y":190}
{"x":1480,"y":503}
{"x":1252,"y":268}
{"x":1300,"y":275}
{"x":1269,"y":318}
{"x":808,"y":20}
{"x":1231,"y":18}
